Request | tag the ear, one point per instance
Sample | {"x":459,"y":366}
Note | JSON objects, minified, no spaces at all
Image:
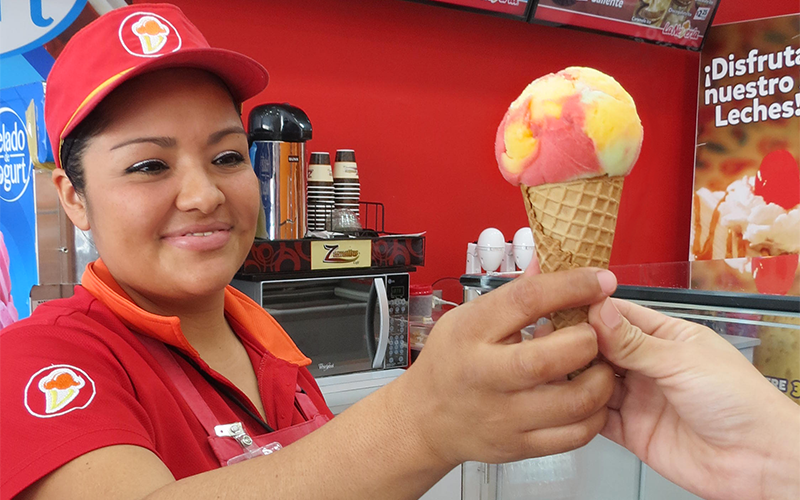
{"x":74,"y":204}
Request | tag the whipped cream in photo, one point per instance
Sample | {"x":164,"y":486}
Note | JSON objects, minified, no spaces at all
{"x":765,"y":225}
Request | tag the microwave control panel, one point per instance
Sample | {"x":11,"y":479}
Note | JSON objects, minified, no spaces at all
{"x":397,"y":351}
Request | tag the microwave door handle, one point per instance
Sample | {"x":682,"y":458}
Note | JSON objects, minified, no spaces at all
{"x":369,"y":322}
{"x":383,"y":335}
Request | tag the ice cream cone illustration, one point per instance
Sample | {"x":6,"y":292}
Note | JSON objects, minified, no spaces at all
{"x":152,"y":34}
{"x":60,"y":388}
{"x":568,"y":141}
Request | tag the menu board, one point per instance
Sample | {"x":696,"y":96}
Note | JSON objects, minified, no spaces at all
{"x":676,"y":22}
{"x":512,"y":8}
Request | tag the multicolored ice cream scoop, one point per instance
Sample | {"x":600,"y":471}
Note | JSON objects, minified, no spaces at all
{"x":574,"y":124}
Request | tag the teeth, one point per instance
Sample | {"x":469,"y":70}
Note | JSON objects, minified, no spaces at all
{"x":208,"y":233}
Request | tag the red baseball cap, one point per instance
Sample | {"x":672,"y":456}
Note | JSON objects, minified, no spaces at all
{"x":129,"y":42}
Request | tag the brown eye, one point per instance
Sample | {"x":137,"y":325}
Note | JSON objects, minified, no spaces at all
{"x":228,"y":158}
{"x":147,"y":167}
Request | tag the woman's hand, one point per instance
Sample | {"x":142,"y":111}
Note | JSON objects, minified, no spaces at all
{"x":481,"y":394}
{"x":694,"y":409}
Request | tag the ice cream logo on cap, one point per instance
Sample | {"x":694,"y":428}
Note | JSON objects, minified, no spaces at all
{"x":144,"y":34}
{"x":57,"y":390}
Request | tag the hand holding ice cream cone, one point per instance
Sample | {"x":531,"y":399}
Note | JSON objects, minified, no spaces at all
{"x":694,"y":409}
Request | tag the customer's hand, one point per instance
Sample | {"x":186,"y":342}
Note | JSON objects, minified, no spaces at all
{"x":481,"y":394}
{"x":694,"y":409}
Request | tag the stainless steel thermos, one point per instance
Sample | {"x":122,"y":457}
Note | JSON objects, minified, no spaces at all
{"x":278,"y":134}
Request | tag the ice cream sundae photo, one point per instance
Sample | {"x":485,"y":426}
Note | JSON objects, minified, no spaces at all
{"x":756,"y":215}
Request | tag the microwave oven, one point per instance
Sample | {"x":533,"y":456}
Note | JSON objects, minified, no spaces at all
{"x":345,"y":324}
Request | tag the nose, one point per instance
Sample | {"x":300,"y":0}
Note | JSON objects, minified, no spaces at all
{"x":199,"y":191}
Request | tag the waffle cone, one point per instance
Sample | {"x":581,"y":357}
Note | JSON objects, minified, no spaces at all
{"x":573,"y":225}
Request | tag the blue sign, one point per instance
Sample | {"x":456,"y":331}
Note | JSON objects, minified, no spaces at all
{"x":17,"y":202}
{"x":15,"y":158}
{"x":27,"y":24}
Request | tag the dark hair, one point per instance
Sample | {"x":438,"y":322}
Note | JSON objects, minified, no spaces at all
{"x":74,"y":146}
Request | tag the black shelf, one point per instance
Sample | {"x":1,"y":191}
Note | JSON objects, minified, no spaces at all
{"x":325,"y":273}
{"x":729,"y":300}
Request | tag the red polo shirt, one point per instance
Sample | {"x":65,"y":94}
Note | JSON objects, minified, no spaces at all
{"x":74,"y":377}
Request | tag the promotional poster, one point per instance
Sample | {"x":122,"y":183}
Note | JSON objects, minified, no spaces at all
{"x":21,"y":110}
{"x":32,"y":35}
{"x":745,"y":235}
{"x":746,"y":200}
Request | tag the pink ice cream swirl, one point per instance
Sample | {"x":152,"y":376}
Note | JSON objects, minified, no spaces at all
{"x":577,"y":123}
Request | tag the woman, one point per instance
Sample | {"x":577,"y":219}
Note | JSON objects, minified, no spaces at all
{"x":139,"y":379}
{"x":156,"y":380}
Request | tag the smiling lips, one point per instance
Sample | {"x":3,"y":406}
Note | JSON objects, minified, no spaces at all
{"x":200,"y":238}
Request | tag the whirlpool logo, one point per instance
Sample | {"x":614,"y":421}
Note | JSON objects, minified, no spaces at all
{"x":336,"y":256}
{"x":15,"y":159}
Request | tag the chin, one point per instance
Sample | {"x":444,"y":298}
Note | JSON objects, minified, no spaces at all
{"x":198,"y":277}
{"x":207,"y":279}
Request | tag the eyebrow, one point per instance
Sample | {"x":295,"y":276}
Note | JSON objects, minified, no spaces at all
{"x":218,"y":136}
{"x":168,"y":142}
{"x":164,"y":142}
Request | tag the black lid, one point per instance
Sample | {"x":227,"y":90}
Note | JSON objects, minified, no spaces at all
{"x":320,"y":159}
{"x":278,"y":122}
{"x":346,"y":155}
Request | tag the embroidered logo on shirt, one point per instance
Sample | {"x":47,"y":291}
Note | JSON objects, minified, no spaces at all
{"x":57,"y":390}
{"x":145,"y":34}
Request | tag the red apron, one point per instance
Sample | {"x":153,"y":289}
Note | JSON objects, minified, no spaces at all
{"x":230,"y":442}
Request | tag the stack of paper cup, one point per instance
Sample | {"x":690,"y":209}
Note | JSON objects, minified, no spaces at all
{"x":320,"y":190}
{"x":346,"y":186}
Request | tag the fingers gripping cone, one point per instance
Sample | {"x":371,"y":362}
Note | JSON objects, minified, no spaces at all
{"x":573,"y":225}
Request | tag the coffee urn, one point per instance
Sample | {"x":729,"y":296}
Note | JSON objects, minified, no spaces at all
{"x":278,"y":134}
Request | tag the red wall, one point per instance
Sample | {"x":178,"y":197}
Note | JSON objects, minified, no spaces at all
{"x":418,"y":92}
{"x":733,"y":11}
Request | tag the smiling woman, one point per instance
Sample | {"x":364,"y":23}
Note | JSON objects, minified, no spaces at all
{"x":157,"y":378}
{"x":168,"y":188}
{"x":169,"y":372}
